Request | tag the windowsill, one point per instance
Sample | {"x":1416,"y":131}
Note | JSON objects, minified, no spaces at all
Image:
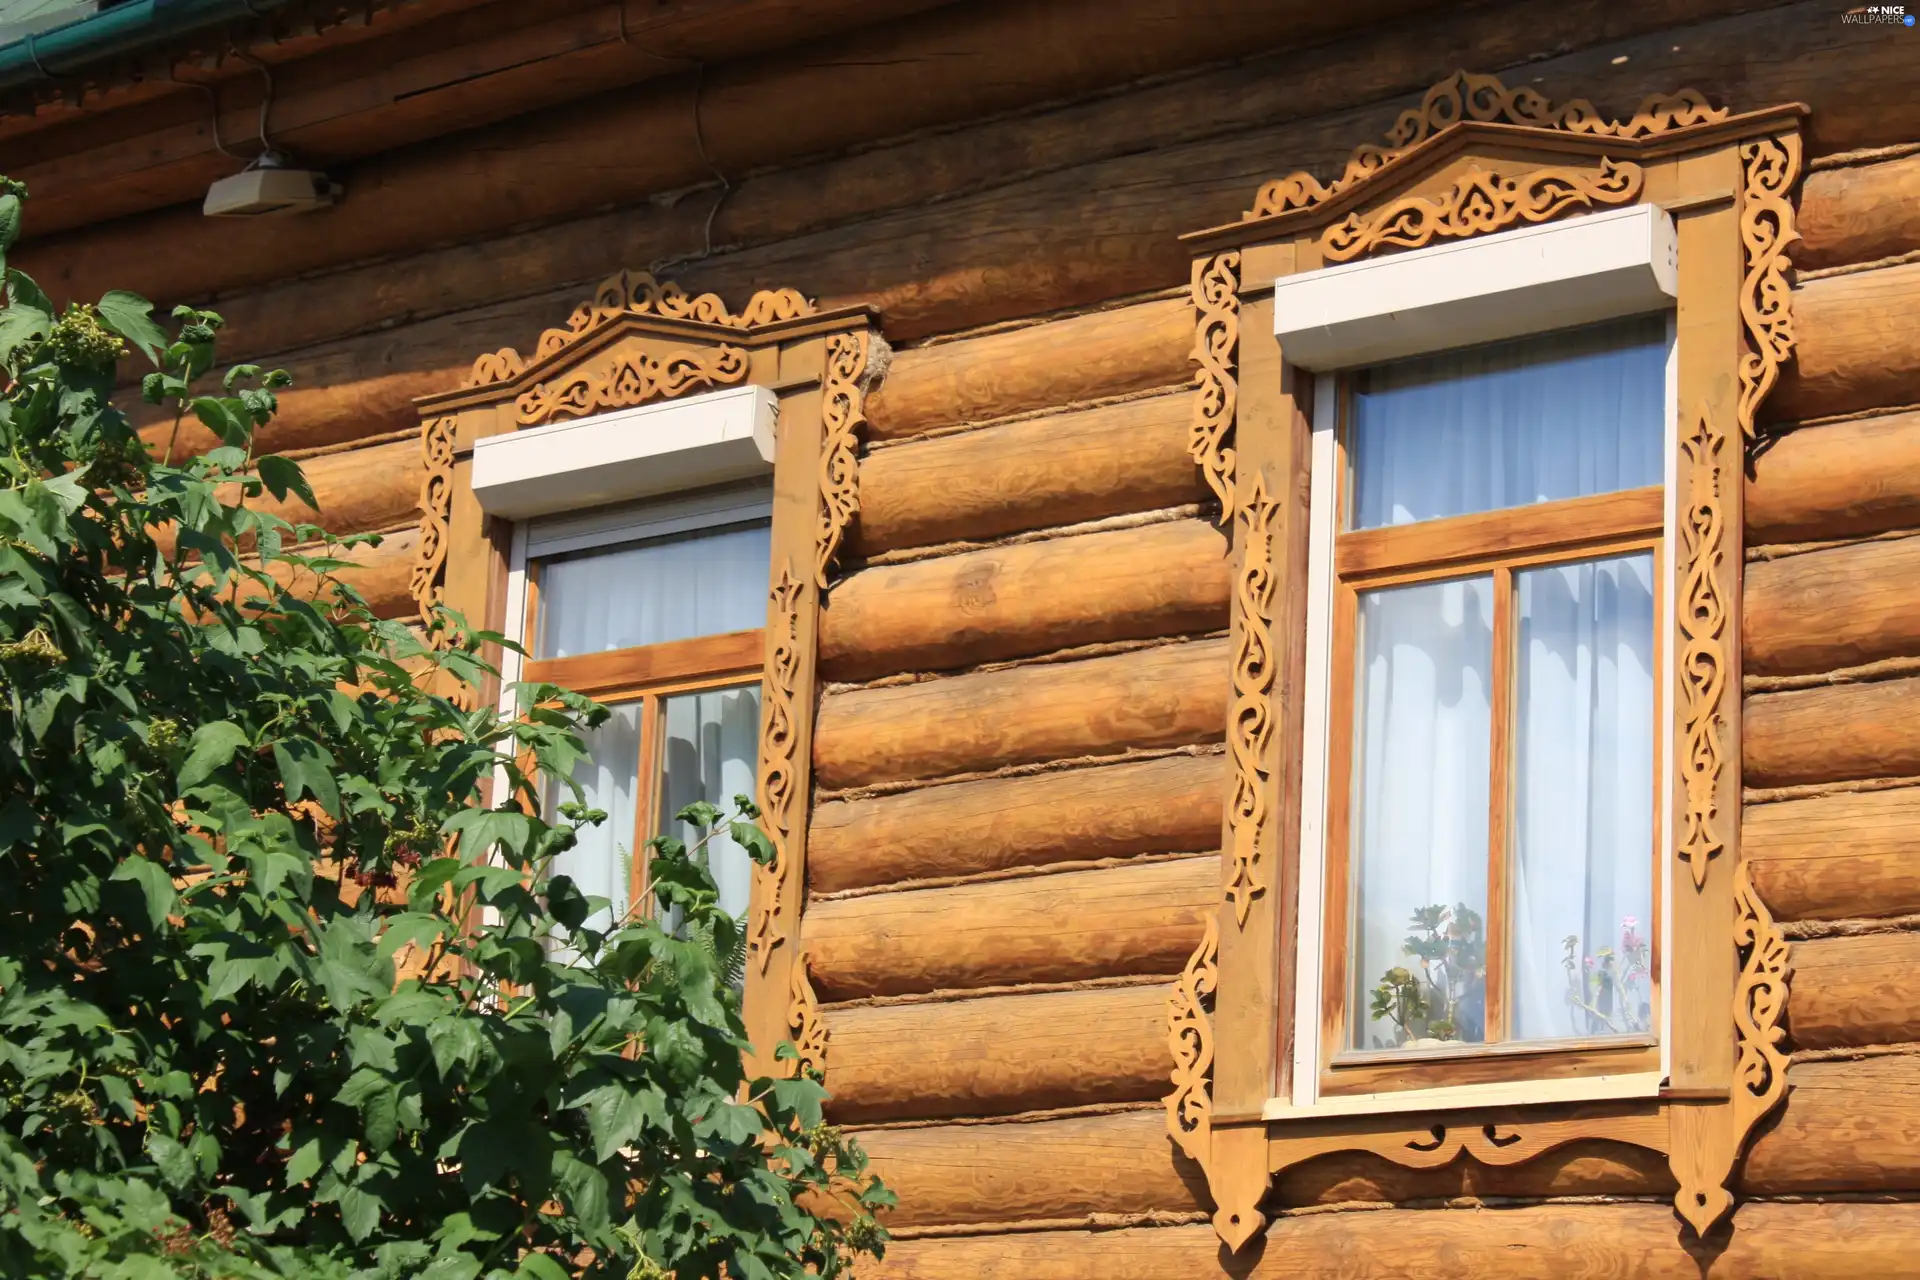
{"x":1511,"y":1049}
{"x":1602,"y":1088}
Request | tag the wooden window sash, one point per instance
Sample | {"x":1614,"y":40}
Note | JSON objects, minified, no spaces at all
{"x":1491,"y":544}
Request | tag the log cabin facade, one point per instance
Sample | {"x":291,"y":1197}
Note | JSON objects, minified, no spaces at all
{"x":1150,"y":497}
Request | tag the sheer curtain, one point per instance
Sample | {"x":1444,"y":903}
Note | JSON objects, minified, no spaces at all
{"x":1421,"y":748}
{"x":609,"y":777}
{"x":708,"y":746}
{"x":1583,"y":798}
{"x":696,"y":584}
{"x":1556,"y":416}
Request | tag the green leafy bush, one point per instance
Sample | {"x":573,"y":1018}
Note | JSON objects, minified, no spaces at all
{"x":226,"y":807}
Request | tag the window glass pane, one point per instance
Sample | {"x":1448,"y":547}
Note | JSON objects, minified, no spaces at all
{"x":601,"y":861}
{"x":707,"y":753}
{"x":693,"y":584}
{"x":1535,"y":420}
{"x":1419,"y":818}
{"x":1582,"y":852}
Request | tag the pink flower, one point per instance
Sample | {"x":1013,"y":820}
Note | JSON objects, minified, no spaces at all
{"x":1589,"y":962}
{"x":1630,"y":922}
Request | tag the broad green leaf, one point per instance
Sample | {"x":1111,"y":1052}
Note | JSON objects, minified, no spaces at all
{"x":538,"y":1266}
{"x":306,"y":769}
{"x":156,"y":886}
{"x":131,"y":316}
{"x":283,"y":476}
{"x":20,"y":325}
{"x":211,"y":746}
{"x":304,"y":1164}
{"x":359,"y":1212}
{"x":175,"y":1165}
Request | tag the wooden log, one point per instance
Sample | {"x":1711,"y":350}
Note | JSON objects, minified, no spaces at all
{"x":1859,"y":213}
{"x":1063,"y":1168}
{"x":1170,"y":696}
{"x":1839,"y":607}
{"x":1835,"y":857}
{"x":1836,"y":481}
{"x":1768,"y":1242}
{"x":360,"y":489}
{"x":997,"y":1055}
{"x":1855,"y":990}
{"x":1847,"y":1126}
{"x":1171,"y":805}
{"x":1102,"y":462}
{"x":1839,"y":733}
{"x":1029,"y":598}
{"x":965,"y":246}
{"x":383,"y":574}
{"x":1103,"y":353}
{"x":1854,"y":352}
{"x":1069,"y":927}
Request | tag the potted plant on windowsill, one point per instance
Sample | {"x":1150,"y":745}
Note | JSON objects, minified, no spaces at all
{"x":1441,"y":999}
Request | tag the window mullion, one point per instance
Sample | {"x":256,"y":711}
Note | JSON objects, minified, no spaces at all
{"x":1500,"y":806}
{"x":645,"y":805}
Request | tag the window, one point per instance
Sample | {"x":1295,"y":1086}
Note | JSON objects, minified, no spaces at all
{"x":655,"y":609}
{"x":1487,"y":581}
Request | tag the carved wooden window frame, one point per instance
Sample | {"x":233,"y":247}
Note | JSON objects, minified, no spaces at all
{"x":1473,"y":158}
{"x":636,"y":341}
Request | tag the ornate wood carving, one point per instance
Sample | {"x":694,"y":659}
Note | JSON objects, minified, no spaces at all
{"x":1703,"y":659}
{"x":1190,"y":1036}
{"x":637,"y":293}
{"x":1771,"y":167}
{"x":436,"y":506}
{"x":1466,"y":96}
{"x":629,"y":379}
{"x":780,"y":806}
{"x":1499,"y":1138}
{"x":1250,"y":718}
{"x":1759,"y":1005}
{"x":841,"y":419}
{"x":805,"y":1027}
{"x":1479,"y":202}
{"x":1216,"y":296}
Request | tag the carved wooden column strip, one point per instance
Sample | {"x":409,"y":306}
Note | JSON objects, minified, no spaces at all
{"x":1216,"y":283}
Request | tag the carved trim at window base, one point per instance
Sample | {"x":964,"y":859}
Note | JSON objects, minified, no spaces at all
{"x":1216,"y":297}
{"x":805,"y":1027}
{"x":1771,"y":167}
{"x":1466,"y":96}
{"x":778,"y":790}
{"x":637,"y":293}
{"x":1703,"y":657}
{"x":1493,"y":1137}
{"x":1250,"y":717}
{"x":1479,"y":202}
{"x":1190,"y":1037}
{"x":629,"y":379}
{"x":436,"y":508}
{"x":841,"y":419}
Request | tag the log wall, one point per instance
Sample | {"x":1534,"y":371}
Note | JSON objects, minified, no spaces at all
{"x":1020,"y":778}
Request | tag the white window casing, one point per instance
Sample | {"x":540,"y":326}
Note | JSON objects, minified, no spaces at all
{"x":1535,"y":279}
{"x":654,"y":449}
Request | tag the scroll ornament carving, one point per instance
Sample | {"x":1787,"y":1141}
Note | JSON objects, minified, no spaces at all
{"x":1480,"y":202}
{"x":1703,"y":657}
{"x":1771,"y":167}
{"x":1466,"y":96}
{"x":1216,"y":297}
{"x":805,"y":1027}
{"x":779,"y":776}
{"x":1492,"y":1142}
{"x":841,"y":419}
{"x":1250,"y":720}
{"x":1190,"y":1036}
{"x":436,"y":509}
{"x":629,"y":379}
{"x":637,"y":293}
{"x":1760,"y":1002}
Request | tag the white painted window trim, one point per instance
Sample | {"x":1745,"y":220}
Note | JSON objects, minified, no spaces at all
{"x":1309,"y":993}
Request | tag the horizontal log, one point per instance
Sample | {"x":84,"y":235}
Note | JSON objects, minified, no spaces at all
{"x":981,"y":484}
{"x":996,"y":1055}
{"x":1853,"y":351}
{"x":1104,"y":353}
{"x":1030,"y":598}
{"x":974,"y":238}
{"x":376,"y":487}
{"x":1839,"y":607}
{"x":1064,"y":1168}
{"x":1170,"y":696}
{"x":1836,"y":481}
{"x":1839,"y":733}
{"x":1846,"y":1126}
{"x":1859,"y":213}
{"x":1057,"y":928}
{"x":1172,"y":805}
{"x":1855,"y":990}
{"x":1835,"y":857}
